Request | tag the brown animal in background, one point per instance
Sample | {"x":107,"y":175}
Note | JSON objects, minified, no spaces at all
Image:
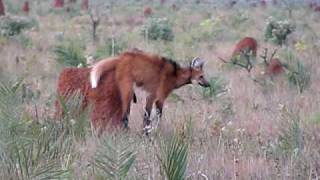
{"x":246,"y":45}
{"x":274,"y":67}
{"x":155,"y":74}
{"x":2,"y":9}
{"x":147,"y":11}
{"x":25,"y":7}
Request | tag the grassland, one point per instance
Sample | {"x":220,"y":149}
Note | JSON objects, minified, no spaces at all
{"x":249,"y":126}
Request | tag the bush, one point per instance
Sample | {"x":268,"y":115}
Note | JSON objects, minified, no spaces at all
{"x":11,"y":26}
{"x":70,"y":53}
{"x":298,"y":74}
{"x":158,"y":29}
{"x":217,"y":86}
{"x":277,"y":31}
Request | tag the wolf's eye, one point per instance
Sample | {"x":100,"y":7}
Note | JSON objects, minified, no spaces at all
{"x":201,"y":77}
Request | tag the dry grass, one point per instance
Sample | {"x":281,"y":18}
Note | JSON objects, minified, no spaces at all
{"x":235,"y":135}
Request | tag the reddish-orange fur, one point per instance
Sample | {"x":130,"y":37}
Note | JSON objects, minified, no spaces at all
{"x":147,"y":11}
{"x":155,"y":74}
{"x":247,"y":44}
{"x":105,"y":100}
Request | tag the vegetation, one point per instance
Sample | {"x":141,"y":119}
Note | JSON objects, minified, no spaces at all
{"x":236,"y":129}
{"x":158,"y":29}
{"x":70,"y":53}
{"x":174,"y":158}
{"x":110,"y":48}
{"x":11,"y":26}
{"x":278,"y":31}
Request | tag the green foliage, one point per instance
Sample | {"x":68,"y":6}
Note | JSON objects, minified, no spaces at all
{"x":114,"y":157}
{"x":37,"y":156}
{"x":174,"y":158}
{"x":11,"y":26}
{"x":30,"y":150}
{"x":71,"y":53}
{"x":74,"y":117}
{"x":277,"y":31}
{"x":158,"y":29}
{"x":298,"y":74}
{"x":217,"y":86}
{"x":110,"y":48}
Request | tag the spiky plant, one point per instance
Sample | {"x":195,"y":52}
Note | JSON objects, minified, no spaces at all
{"x":70,"y":53}
{"x":174,"y":158}
{"x":114,"y":157}
{"x":74,"y":118}
{"x":29,"y":150}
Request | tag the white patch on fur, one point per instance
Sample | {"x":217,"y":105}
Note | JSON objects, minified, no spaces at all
{"x":194,"y":81}
{"x":93,"y":79}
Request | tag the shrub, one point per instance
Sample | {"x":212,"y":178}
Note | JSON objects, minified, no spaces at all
{"x":217,"y":86}
{"x":277,"y":31}
{"x":298,"y":74}
{"x":71,"y":53}
{"x":158,"y":29}
{"x":11,"y":26}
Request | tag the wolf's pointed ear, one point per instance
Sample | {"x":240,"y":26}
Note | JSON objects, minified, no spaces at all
{"x":197,"y":63}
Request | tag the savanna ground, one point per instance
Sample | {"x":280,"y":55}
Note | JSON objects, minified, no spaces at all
{"x":247,"y":126}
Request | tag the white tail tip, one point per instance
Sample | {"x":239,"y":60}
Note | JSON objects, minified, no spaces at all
{"x":93,"y":80}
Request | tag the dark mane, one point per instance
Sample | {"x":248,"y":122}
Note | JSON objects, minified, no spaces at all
{"x":175,"y":65}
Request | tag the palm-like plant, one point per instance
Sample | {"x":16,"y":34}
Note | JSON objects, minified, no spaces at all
{"x":70,"y":53}
{"x":174,"y":158}
{"x":30,"y":150}
{"x":115,"y":157}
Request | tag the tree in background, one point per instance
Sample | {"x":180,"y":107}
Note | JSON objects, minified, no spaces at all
{"x":2,"y":11}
